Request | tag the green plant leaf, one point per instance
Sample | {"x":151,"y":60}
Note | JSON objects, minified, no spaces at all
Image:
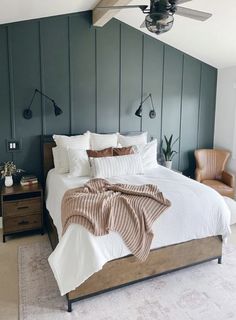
{"x":167,"y":150}
{"x":166,"y":140}
{"x":173,"y":153}
{"x":170,"y":140}
{"x":175,"y":141}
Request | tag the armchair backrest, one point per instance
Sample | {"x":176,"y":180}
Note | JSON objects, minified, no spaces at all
{"x":210,"y":163}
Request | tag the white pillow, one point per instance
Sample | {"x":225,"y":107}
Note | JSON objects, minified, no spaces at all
{"x":60,"y":153}
{"x":103,"y":141}
{"x":78,"y":163}
{"x":60,"y":158}
{"x":81,"y":141}
{"x":148,"y":153}
{"x":116,"y":166}
{"x":127,"y":141}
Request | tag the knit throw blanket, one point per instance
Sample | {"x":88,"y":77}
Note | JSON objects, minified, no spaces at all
{"x":130,"y":210}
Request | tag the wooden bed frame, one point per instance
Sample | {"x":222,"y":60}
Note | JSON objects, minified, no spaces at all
{"x":128,"y":270}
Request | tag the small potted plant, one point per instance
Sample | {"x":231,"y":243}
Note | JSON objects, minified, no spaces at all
{"x":7,"y":170}
{"x":168,"y":151}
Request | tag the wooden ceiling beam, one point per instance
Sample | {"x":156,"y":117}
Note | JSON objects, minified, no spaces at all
{"x":102,"y":16}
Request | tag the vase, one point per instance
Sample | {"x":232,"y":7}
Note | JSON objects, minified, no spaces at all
{"x":8,"y":181}
{"x":168,"y":164}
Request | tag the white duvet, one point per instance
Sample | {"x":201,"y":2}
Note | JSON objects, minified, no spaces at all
{"x":197,"y":211}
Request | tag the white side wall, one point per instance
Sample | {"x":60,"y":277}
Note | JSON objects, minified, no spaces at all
{"x":225,"y":119}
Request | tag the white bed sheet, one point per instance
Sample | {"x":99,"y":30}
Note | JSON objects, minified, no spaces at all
{"x":197,"y":211}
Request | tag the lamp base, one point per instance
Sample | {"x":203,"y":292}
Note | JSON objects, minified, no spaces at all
{"x":152,"y":114}
{"x":27,"y":114}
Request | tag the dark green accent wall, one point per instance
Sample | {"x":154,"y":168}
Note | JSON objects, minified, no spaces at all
{"x":98,"y":76}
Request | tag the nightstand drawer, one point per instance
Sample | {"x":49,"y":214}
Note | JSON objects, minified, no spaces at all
{"x":22,"y":223}
{"x":21,"y":207}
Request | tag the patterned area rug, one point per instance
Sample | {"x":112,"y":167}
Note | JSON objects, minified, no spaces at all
{"x":203,"y":292}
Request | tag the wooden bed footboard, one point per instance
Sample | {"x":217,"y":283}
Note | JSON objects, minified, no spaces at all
{"x":128,"y":270}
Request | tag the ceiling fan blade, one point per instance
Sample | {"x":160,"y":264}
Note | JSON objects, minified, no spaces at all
{"x":142,"y":7}
{"x":182,"y":1}
{"x":143,"y":25}
{"x":193,"y":14}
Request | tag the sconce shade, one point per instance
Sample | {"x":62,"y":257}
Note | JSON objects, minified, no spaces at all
{"x":57,"y":110}
{"x":139,"y":111}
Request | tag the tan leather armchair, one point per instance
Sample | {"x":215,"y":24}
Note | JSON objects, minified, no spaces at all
{"x":210,"y":170}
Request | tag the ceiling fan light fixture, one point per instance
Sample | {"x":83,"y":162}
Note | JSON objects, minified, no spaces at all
{"x":159,"y":22}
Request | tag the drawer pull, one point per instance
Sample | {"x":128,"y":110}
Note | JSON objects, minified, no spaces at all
{"x":23,"y":223}
{"x":22,"y":208}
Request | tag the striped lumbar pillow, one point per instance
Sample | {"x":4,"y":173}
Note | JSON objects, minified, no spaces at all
{"x":116,"y":166}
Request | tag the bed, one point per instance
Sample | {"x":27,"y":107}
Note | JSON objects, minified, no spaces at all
{"x":186,"y":234}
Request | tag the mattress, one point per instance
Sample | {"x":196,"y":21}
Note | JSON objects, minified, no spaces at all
{"x":197,"y":211}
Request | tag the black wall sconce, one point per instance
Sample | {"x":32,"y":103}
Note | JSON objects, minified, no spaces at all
{"x":152,"y":113}
{"x":27,"y":113}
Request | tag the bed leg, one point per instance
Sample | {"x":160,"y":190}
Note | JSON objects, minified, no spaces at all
{"x":220,"y":260}
{"x":69,"y":306}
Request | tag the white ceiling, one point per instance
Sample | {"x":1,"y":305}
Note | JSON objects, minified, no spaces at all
{"x":212,"y":41}
{"x":18,"y":10}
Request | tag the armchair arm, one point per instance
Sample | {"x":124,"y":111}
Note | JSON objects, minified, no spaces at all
{"x":228,"y":179}
{"x":198,"y":175}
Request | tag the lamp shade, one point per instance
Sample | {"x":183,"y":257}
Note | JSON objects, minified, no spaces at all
{"x":139,"y":111}
{"x":57,"y":110}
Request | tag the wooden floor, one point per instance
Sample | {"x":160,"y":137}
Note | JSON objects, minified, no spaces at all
{"x":9,"y":275}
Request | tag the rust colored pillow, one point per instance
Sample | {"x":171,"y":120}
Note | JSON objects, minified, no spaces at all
{"x":123,"y":151}
{"x":100,"y":153}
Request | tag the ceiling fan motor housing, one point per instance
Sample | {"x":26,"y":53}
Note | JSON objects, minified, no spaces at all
{"x":167,"y":6}
{"x":173,"y":4}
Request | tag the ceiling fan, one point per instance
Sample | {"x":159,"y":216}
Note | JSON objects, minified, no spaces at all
{"x":160,"y":14}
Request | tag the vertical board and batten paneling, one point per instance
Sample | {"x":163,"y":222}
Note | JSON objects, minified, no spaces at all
{"x":152,"y":83}
{"x":98,"y":77}
{"x":5,"y":115}
{"x":189,"y":114}
{"x":207,"y":107}
{"x":55,"y":73}
{"x":24,"y":39}
{"x":131,"y":78}
{"x":172,"y":93}
{"x":108,"y":77}
{"x":83,"y":73}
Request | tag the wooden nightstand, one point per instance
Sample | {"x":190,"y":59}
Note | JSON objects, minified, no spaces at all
{"x":22,"y":209}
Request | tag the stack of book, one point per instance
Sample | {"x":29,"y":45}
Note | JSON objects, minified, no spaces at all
{"x":28,"y":180}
